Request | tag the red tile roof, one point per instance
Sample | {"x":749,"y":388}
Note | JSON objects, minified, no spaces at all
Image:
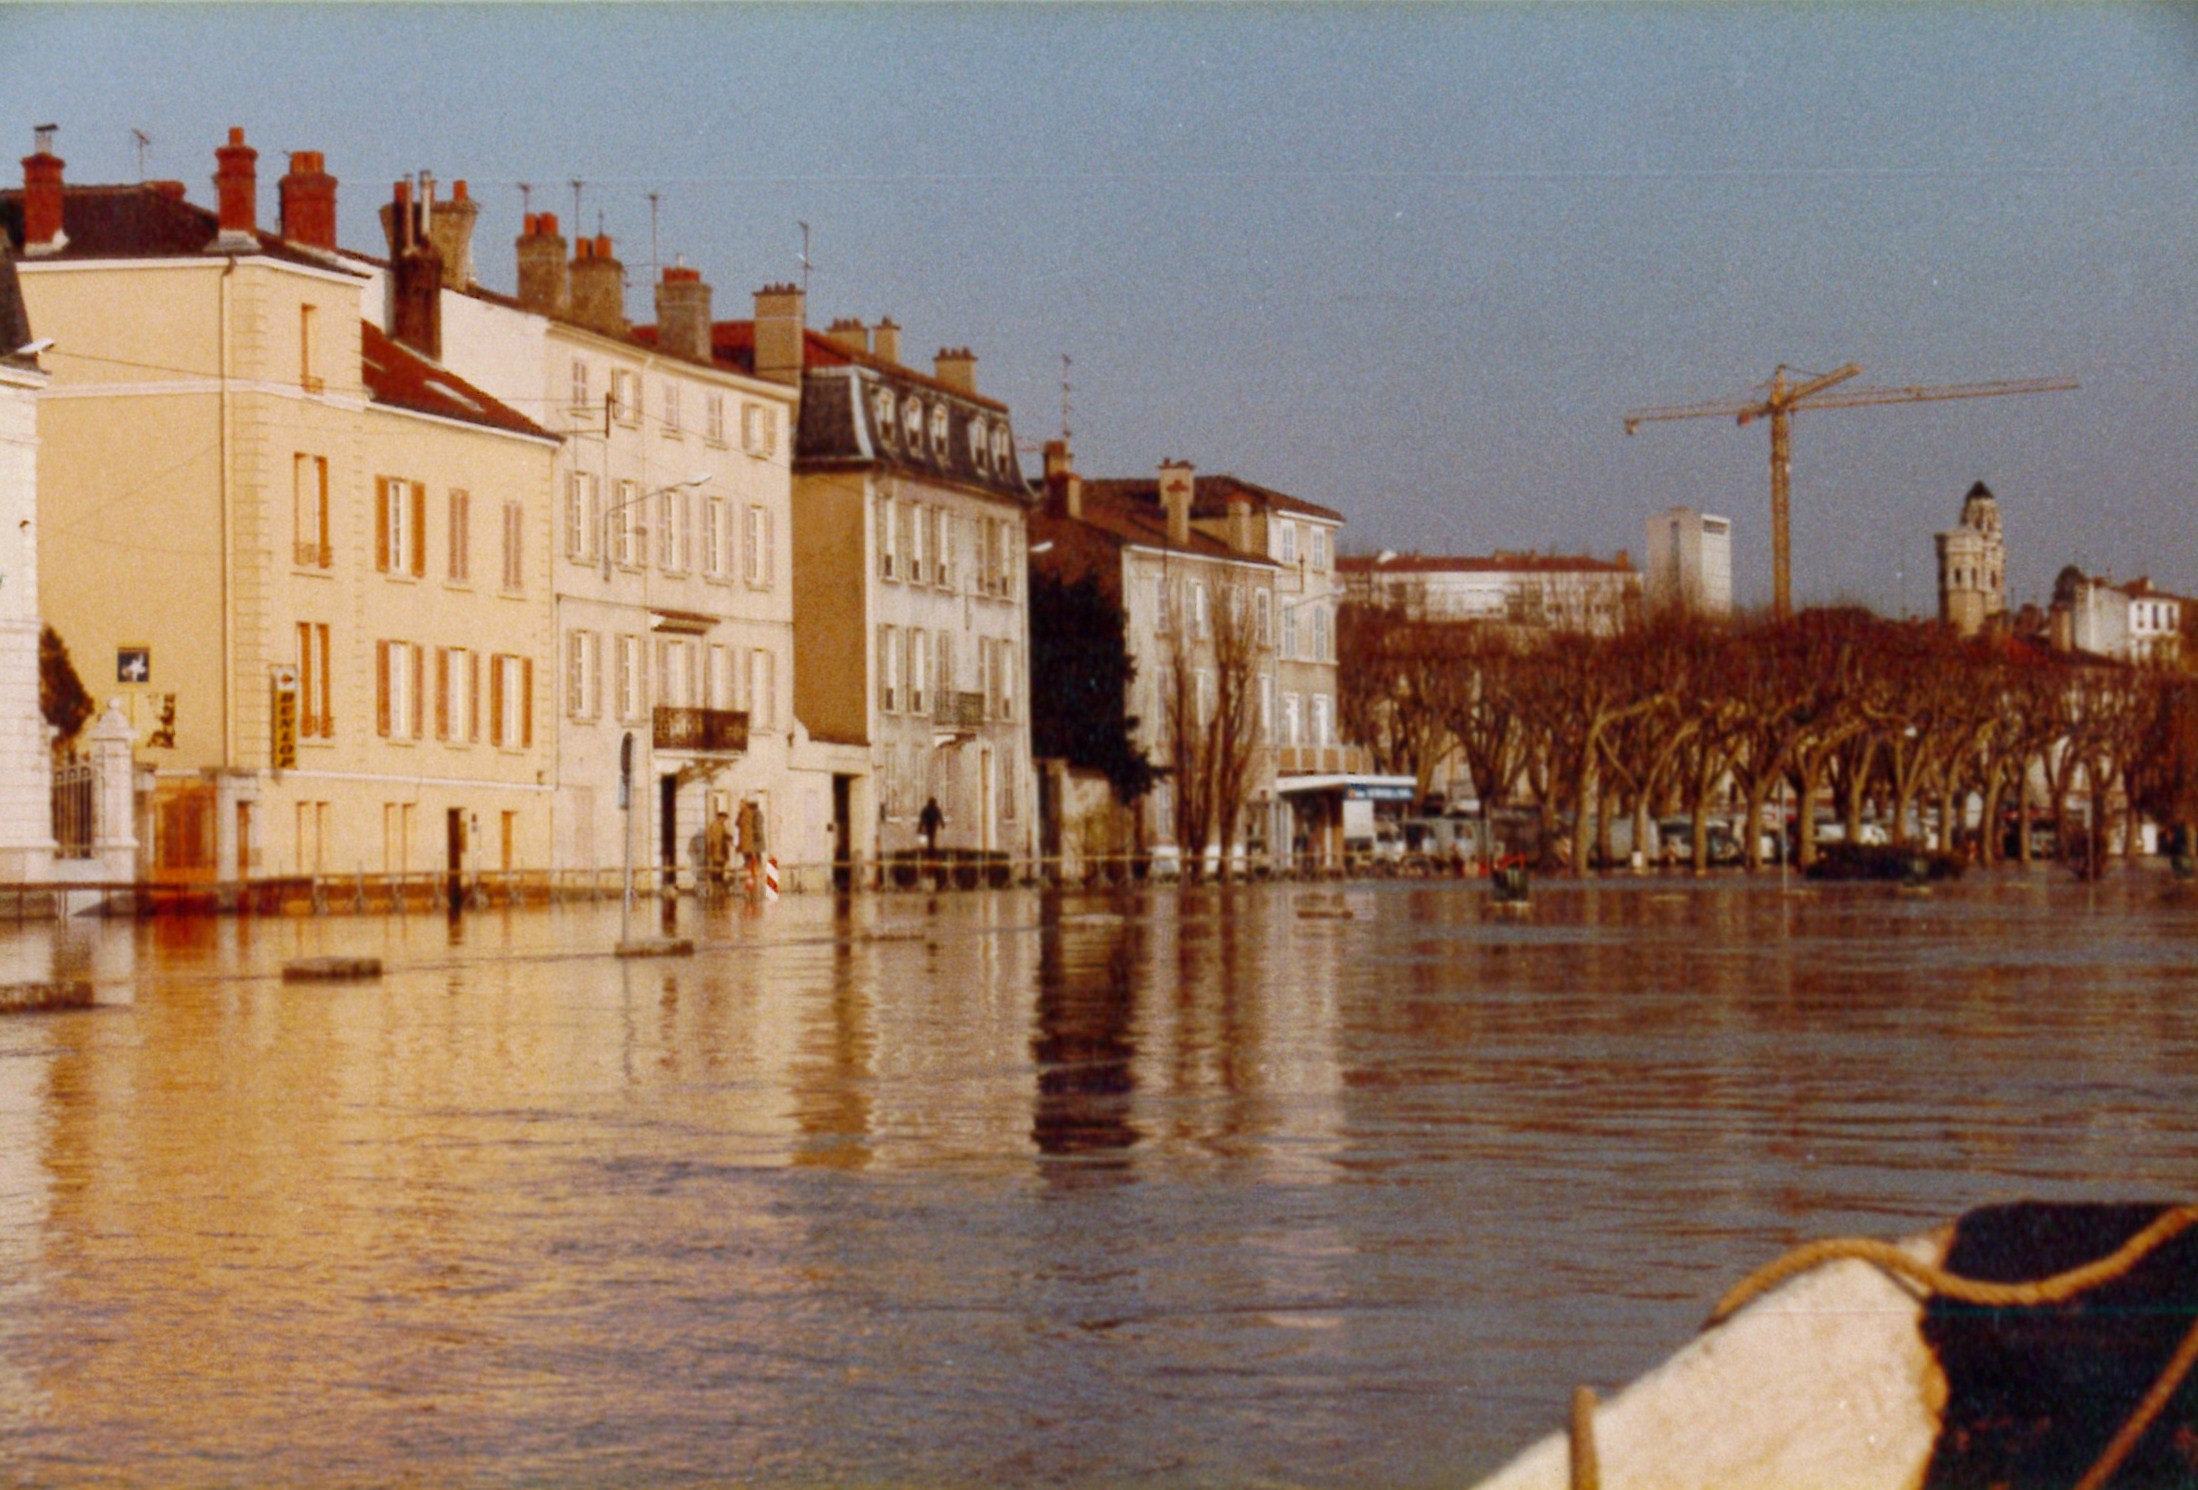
{"x":400,"y":378}
{"x":1121,"y":521}
{"x":735,"y":342}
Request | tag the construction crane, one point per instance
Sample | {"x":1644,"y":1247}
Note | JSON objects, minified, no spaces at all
{"x":1787,"y":397}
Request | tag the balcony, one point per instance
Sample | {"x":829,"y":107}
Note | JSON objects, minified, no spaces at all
{"x":702,"y":731}
{"x":956,"y":710}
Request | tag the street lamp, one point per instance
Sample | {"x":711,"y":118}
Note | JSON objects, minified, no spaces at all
{"x":617,"y":507}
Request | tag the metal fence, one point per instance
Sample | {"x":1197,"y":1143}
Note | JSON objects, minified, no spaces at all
{"x":75,"y":798}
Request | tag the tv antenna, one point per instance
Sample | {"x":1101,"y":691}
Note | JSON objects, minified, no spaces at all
{"x":805,"y":264}
{"x":143,"y":139}
{"x":654,"y":272}
{"x":526,"y":199}
{"x":1066,"y":363}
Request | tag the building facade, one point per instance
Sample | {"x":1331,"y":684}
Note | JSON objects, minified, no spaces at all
{"x":2131,"y":622}
{"x":1534,"y":592}
{"x":301,"y":554}
{"x":26,"y":776}
{"x":671,"y":553}
{"x":1972,"y":567}
{"x":1689,"y":559}
{"x":1200,"y":621}
{"x":911,"y":626}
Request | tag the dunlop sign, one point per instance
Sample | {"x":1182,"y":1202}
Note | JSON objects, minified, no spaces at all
{"x":286,"y":717}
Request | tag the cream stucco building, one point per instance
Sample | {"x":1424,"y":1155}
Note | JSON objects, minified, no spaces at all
{"x":26,"y":823}
{"x":307,"y":558}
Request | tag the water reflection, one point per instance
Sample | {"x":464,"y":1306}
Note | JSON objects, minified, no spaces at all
{"x":1320,"y":1185}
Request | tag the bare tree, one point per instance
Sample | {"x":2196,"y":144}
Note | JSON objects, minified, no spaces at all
{"x":1210,"y":708}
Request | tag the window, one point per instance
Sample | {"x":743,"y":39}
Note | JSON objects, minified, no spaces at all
{"x":938,"y":430}
{"x":758,"y":547}
{"x":942,"y":547}
{"x":583,"y":399}
{"x":315,"y":720}
{"x":626,"y":542}
{"x":919,"y":527}
{"x":889,"y":669}
{"x":881,"y":412}
{"x":667,"y":532}
{"x":309,"y":510}
{"x":461,"y":537}
{"x":400,"y":526}
{"x":671,"y":408}
{"x":1266,"y":708}
{"x":510,"y":701}
{"x":980,"y":452}
{"x":919,"y":668}
{"x":1002,"y":447}
{"x":626,"y":395}
{"x":630,"y":681}
{"x":1263,"y":617}
{"x":515,"y":536}
{"x":1006,"y":656}
{"x":1290,"y":707}
{"x":912,"y":421}
{"x":1323,"y":716}
{"x":399,"y":702}
{"x":1289,"y":633}
{"x":1320,"y":634}
{"x":583,"y":515}
{"x":713,"y":537}
{"x":308,"y":350}
{"x":943,"y":684}
{"x":1320,"y":548}
{"x":583,"y":673}
{"x":1201,"y":621}
{"x":888,"y":541}
{"x":713,"y":418}
{"x":758,"y":431}
{"x":1160,"y":618}
{"x":1287,"y":542}
{"x":762,"y":690}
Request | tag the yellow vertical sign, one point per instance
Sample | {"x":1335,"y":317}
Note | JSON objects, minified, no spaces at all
{"x":286,"y":718}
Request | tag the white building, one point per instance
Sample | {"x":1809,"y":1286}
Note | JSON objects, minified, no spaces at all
{"x":2131,"y":622}
{"x":1536,"y":592}
{"x":1689,"y":563}
{"x":26,"y":808}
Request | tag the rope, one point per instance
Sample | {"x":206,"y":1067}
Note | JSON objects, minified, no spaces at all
{"x":2057,"y":1289}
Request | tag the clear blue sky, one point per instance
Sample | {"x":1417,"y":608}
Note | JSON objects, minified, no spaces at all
{"x":1412,"y":262}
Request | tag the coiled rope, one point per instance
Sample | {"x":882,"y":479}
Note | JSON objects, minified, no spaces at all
{"x":2060,"y":1288}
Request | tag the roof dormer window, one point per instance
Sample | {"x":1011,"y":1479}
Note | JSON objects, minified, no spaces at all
{"x":980,"y":454}
{"x":912,"y":420}
{"x":938,"y":430}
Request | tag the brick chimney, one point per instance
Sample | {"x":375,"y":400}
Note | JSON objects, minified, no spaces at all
{"x":885,"y":342}
{"x":416,"y":276}
{"x":42,"y":199}
{"x":542,"y":284}
{"x":850,"y":333}
{"x":957,"y":368}
{"x":308,"y":201}
{"x":1176,"y":486}
{"x":683,"y":313}
{"x":781,"y":326}
{"x":1061,"y":477}
{"x":172,"y":190}
{"x":1240,"y":524}
{"x":236,"y":186}
{"x":450,"y":226}
{"x":598,"y":286}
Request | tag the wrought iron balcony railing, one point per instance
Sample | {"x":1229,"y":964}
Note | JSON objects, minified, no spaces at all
{"x":702,"y":731}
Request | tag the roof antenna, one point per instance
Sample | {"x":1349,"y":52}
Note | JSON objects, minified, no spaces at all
{"x":143,"y":139}
{"x":1066,"y":363}
{"x":526,"y":199}
{"x":576,"y":206}
{"x":805,"y":266}
{"x":655,"y":272}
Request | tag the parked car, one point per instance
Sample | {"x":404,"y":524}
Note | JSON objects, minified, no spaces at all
{"x":1677,"y":835}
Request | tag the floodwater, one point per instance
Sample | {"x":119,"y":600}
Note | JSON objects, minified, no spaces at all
{"x":1270,"y":1185}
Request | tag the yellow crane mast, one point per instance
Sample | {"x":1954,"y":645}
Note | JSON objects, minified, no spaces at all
{"x":1787,"y":397}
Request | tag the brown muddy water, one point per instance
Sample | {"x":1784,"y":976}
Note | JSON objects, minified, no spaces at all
{"x":1212,"y":1187}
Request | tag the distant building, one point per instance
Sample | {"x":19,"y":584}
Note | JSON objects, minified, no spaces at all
{"x":1535,"y":592}
{"x":1973,"y":567}
{"x":1689,"y":563}
{"x":2132,"y":622}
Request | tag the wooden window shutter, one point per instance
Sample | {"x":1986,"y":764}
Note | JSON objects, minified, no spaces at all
{"x":419,"y":694}
{"x":526,"y":701}
{"x":473,"y":695}
{"x":381,"y":689}
{"x":419,"y":529}
{"x":496,"y":699}
{"x":442,"y":693}
{"x":381,"y":525}
{"x":327,"y":553}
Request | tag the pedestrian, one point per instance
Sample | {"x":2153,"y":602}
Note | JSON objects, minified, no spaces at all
{"x":750,"y":828}
{"x":717,"y":850}
{"x":928,"y":822}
